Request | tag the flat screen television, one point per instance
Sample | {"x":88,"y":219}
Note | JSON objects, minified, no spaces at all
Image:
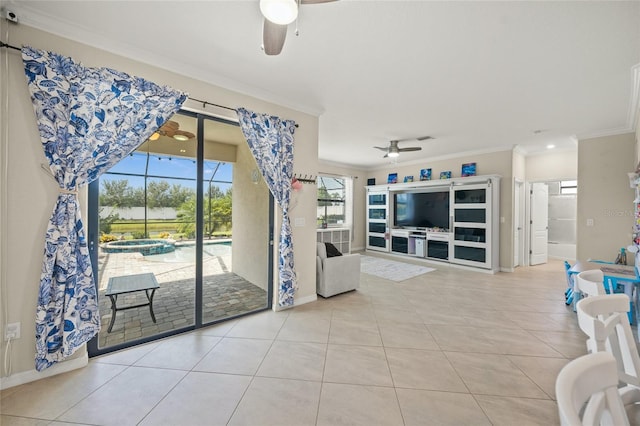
{"x":421,"y":209}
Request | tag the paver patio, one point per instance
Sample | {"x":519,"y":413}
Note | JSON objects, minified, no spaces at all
{"x":225,"y":294}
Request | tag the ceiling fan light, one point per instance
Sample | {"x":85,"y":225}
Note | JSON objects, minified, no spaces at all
{"x":393,"y":154}
{"x":281,"y":12}
{"x":181,"y":137}
{"x":154,"y":136}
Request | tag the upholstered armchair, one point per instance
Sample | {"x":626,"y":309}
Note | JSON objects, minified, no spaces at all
{"x":337,"y":274}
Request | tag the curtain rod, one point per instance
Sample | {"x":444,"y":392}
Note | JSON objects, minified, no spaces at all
{"x":337,"y":175}
{"x":8,"y":46}
{"x":205,"y":103}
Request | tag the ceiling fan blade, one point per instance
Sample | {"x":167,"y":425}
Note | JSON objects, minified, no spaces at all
{"x":386,"y":148}
{"x":172,"y":125}
{"x":421,"y":138}
{"x":410,"y":148}
{"x":316,"y":1}
{"x":273,"y":36}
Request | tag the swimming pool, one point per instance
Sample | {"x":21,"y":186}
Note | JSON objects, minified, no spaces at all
{"x":186,"y":252}
{"x":145,"y":246}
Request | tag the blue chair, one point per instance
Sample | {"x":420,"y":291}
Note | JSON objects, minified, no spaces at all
{"x":568,"y":293}
{"x":613,"y":285}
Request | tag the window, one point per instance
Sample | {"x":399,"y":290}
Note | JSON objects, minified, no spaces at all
{"x":334,"y":202}
{"x":569,"y":187}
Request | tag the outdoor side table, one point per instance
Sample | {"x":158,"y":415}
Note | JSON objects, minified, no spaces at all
{"x":131,"y":284}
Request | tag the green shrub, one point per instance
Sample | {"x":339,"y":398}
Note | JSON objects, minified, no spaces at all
{"x":106,"y":222}
{"x":138,"y":235}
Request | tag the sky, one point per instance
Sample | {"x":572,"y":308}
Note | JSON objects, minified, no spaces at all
{"x":175,"y":167}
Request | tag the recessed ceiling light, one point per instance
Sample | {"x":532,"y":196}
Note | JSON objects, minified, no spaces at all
{"x":551,"y":146}
{"x":183,"y":150}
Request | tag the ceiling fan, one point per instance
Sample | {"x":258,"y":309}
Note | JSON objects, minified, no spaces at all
{"x":277,"y":15}
{"x":393,"y":150}
{"x":172,"y":130}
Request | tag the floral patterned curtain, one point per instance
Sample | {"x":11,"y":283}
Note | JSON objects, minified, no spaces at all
{"x":88,"y":118}
{"x":271,"y":142}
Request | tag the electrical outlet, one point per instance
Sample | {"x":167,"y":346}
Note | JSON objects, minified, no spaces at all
{"x":12,"y":331}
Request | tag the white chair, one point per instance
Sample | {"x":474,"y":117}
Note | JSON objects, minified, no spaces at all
{"x":338,"y":274}
{"x":590,"y":381}
{"x":604,"y":319}
{"x":591,"y":283}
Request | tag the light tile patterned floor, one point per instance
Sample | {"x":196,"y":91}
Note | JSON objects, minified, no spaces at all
{"x":451,"y":347}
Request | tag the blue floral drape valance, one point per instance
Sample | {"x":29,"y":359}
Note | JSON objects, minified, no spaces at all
{"x":88,"y":119}
{"x":270,"y":140}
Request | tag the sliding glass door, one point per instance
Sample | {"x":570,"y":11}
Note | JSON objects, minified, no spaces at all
{"x":180,"y":234}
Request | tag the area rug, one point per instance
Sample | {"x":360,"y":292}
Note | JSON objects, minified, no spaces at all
{"x":391,"y":270}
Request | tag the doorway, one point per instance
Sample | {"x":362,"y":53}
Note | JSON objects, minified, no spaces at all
{"x":518,"y":224}
{"x":553,"y":216}
{"x":538,"y":252}
{"x":180,"y":234}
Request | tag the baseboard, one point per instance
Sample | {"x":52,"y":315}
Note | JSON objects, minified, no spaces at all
{"x":33,"y":375}
{"x":303,"y":300}
{"x":502,"y":269}
{"x":296,"y":302}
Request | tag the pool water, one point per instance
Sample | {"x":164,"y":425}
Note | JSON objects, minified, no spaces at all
{"x":145,"y":246}
{"x":187,"y":253}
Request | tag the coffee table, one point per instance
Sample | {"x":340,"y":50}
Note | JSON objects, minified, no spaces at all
{"x":130,"y":284}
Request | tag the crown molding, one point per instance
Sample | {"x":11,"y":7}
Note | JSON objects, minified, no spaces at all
{"x":605,"y":133}
{"x":32,"y":17}
{"x":517,"y":149}
{"x":330,"y":163}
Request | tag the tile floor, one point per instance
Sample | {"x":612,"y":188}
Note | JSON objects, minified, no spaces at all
{"x":451,"y":347}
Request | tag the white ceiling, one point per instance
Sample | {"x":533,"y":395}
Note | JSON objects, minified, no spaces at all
{"x":477,"y":76}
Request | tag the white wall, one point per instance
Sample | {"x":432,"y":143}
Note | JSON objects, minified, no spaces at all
{"x":604,"y":195}
{"x":30,"y":193}
{"x":250,"y":248}
{"x":554,"y":165}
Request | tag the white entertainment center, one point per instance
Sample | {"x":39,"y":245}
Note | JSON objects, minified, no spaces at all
{"x":450,"y":220}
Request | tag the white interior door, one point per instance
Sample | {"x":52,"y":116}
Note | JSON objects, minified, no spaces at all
{"x":517,"y":226}
{"x":539,"y":223}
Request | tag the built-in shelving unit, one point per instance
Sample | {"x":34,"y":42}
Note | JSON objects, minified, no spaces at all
{"x":377,"y":220}
{"x":339,"y":237}
{"x":472,"y":211}
{"x":470,"y":235}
